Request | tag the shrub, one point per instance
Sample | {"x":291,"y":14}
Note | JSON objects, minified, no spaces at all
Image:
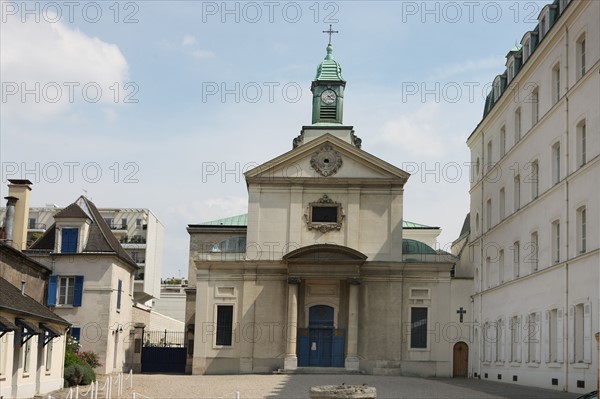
{"x":77,"y":374}
{"x":88,"y":375}
{"x":73,"y":375}
{"x":72,"y":359}
{"x":90,"y":358}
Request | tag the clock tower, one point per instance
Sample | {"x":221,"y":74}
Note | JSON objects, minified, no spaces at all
{"x":328,"y":91}
{"x":328,"y":104}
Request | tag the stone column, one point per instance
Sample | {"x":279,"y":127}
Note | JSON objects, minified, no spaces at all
{"x":352,"y":362}
{"x":138,"y":343}
{"x":291,"y":360}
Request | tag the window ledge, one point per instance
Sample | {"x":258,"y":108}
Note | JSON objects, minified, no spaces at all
{"x":553,"y":365}
{"x":25,"y":375}
{"x":419,"y":349}
{"x":500,"y":363}
{"x":515,"y":364}
{"x":533,"y":365}
{"x":581,"y":366}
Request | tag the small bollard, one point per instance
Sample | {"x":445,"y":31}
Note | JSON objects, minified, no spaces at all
{"x":343,"y":392}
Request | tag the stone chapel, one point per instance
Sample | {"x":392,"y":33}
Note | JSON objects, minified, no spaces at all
{"x":323,"y":271}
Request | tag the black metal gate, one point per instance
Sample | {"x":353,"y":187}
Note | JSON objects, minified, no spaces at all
{"x":164,"y":352}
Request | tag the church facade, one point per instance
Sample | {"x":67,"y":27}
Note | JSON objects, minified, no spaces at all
{"x":318,"y":273}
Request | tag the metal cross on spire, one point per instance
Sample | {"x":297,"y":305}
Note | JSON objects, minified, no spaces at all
{"x":330,"y":32}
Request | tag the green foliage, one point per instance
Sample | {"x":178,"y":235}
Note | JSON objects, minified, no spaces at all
{"x":77,"y":374}
{"x":72,"y":344}
{"x":72,"y":359}
{"x":89,"y":375}
{"x":73,"y":375}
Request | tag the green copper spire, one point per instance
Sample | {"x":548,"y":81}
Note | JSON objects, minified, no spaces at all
{"x":329,"y":69}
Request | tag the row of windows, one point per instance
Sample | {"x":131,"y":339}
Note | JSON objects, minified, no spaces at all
{"x":418,"y":326}
{"x":535,"y":335}
{"x":533,"y":178}
{"x":25,"y":353}
{"x":580,"y":150}
{"x":68,"y":291}
{"x":519,"y":57}
{"x":496,"y":271}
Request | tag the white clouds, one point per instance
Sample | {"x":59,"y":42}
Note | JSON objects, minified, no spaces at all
{"x":415,"y":133}
{"x":212,"y":208}
{"x":56,"y":63}
{"x":188,"y":40}
{"x":469,"y":66}
{"x":191,"y":48}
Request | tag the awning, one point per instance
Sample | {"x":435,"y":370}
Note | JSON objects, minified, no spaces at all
{"x":49,"y":332}
{"x":6,"y":326}
{"x":28,"y":330}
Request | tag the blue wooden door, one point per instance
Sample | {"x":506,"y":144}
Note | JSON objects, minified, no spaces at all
{"x":321,"y":336}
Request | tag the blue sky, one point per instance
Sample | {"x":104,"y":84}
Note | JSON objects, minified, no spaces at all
{"x":159,"y":134}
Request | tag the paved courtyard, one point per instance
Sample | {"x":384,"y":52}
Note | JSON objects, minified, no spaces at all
{"x":296,"y":386}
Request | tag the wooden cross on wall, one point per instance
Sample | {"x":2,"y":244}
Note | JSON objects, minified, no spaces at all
{"x":461,"y":312}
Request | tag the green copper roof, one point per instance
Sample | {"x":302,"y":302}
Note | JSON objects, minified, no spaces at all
{"x":239,"y":220}
{"x":329,"y":69}
{"x":412,"y":225}
{"x":413,"y":247}
{"x":242,"y":220}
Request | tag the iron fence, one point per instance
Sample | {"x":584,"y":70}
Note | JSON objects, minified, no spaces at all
{"x":166,"y":339}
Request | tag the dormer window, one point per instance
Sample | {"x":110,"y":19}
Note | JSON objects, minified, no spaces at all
{"x":526,"y":50}
{"x":69,"y":240}
{"x":511,"y":70}
{"x":496,"y":88}
{"x":543,"y":25}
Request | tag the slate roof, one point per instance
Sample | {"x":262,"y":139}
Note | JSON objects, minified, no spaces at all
{"x":11,"y":300}
{"x":72,"y":211}
{"x":242,"y":220}
{"x":100,"y":237}
{"x":466,"y":227}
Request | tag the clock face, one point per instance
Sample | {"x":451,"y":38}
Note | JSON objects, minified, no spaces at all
{"x":328,"y":96}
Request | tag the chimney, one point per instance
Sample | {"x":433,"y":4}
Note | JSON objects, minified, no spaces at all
{"x":9,"y":221}
{"x":22,"y":287}
{"x":19,"y":189}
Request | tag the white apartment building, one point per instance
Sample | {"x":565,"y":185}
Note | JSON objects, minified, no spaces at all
{"x":138,"y":230}
{"x":535,"y":208}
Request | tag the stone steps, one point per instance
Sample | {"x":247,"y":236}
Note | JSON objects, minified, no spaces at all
{"x":319,"y":370}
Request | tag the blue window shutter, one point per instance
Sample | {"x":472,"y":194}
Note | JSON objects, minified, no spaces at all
{"x":78,"y":291}
{"x":52,"y":284}
{"x":69,"y":240}
{"x":76,"y":333}
{"x":119,"y":294}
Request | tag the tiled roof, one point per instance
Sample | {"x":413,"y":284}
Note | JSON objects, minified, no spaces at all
{"x":242,"y":220}
{"x":100,"y":237}
{"x":11,"y":300}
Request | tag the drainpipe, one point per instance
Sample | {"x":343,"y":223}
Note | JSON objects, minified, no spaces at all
{"x":9,"y":224}
{"x":565,"y":325}
{"x":598,"y":346}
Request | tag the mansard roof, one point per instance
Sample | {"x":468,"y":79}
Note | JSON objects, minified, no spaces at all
{"x":100,"y":237}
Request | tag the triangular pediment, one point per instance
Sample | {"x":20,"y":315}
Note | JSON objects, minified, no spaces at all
{"x":327,"y":158}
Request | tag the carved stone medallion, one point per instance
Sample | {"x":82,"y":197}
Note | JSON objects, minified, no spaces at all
{"x":326,"y":161}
